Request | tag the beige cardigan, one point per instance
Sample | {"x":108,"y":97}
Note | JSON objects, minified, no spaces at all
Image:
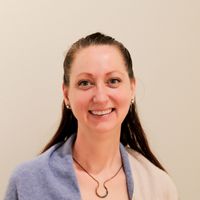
{"x":150,"y":182}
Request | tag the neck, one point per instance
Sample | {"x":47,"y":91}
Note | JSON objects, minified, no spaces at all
{"x":98,"y":152}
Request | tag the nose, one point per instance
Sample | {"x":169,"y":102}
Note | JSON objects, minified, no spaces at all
{"x":100,"y":94}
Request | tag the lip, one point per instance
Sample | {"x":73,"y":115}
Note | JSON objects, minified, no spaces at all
{"x":101,"y":112}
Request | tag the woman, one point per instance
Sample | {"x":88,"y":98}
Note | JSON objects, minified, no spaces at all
{"x":100,"y":149}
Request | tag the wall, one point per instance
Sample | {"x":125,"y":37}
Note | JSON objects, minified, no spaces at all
{"x":163,"y":38}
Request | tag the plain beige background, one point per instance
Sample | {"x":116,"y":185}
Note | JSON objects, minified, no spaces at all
{"x":163,"y":38}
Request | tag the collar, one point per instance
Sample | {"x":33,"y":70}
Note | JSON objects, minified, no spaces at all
{"x":62,"y":163}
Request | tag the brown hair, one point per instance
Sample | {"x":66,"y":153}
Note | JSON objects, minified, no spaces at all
{"x":132,"y":133}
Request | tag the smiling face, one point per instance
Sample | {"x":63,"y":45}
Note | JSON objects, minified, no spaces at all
{"x":100,"y":90}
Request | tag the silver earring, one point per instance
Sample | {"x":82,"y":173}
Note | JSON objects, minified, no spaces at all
{"x":68,"y":106}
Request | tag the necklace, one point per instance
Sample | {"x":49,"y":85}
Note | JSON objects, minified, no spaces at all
{"x":98,"y":184}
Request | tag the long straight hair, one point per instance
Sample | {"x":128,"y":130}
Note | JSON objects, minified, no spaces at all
{"x":132,"y":133}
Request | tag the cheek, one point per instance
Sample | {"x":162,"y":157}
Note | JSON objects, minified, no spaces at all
{"x":125,"y":99}
{"x":79,"y":102}
{"x":78,"y":108}
{"x":124,"y":102}
{"x":123,"y":96}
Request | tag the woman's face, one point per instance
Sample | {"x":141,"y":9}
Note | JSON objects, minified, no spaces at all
{"x":100,"y":90}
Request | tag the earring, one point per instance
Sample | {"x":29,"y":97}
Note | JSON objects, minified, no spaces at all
{"x":131,"y":105}
{"x":132,"y":101}
{"x":68,"y":106}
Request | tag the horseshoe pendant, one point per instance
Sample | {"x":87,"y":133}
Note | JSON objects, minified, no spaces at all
{"x":99,"y":195}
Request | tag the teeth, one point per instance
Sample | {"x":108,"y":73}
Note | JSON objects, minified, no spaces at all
{"x":102,"y":112}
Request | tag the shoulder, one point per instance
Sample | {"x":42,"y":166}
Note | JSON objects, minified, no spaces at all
{"x":48,"y":176}
{"x":151,"y":178}
{"x":32,"y":170}
{"x":30,"y":177}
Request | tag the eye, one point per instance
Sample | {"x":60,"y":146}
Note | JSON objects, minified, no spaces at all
{"x":114,"y":82}
{"x":85,"y":84}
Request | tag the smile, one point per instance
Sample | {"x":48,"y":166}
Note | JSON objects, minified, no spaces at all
{"x":101,"y":112}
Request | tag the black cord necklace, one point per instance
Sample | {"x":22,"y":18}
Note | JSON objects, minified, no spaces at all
{"x":104,"y":183}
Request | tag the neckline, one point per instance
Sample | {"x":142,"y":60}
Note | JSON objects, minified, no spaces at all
{"x":65,"y":155}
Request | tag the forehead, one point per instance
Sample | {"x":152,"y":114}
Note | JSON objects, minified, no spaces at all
{"x":98,"y":59}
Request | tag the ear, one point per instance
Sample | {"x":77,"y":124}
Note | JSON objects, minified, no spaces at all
{"x":133,"y":88}
{"x":65,"y":90}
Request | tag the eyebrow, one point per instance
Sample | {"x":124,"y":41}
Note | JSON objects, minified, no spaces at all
{"x":91,"y":75}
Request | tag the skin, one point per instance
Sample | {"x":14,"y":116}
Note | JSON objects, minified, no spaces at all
{"x":99,"y":93}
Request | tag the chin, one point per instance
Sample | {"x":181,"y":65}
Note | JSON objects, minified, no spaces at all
{"x":105,"y":129}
